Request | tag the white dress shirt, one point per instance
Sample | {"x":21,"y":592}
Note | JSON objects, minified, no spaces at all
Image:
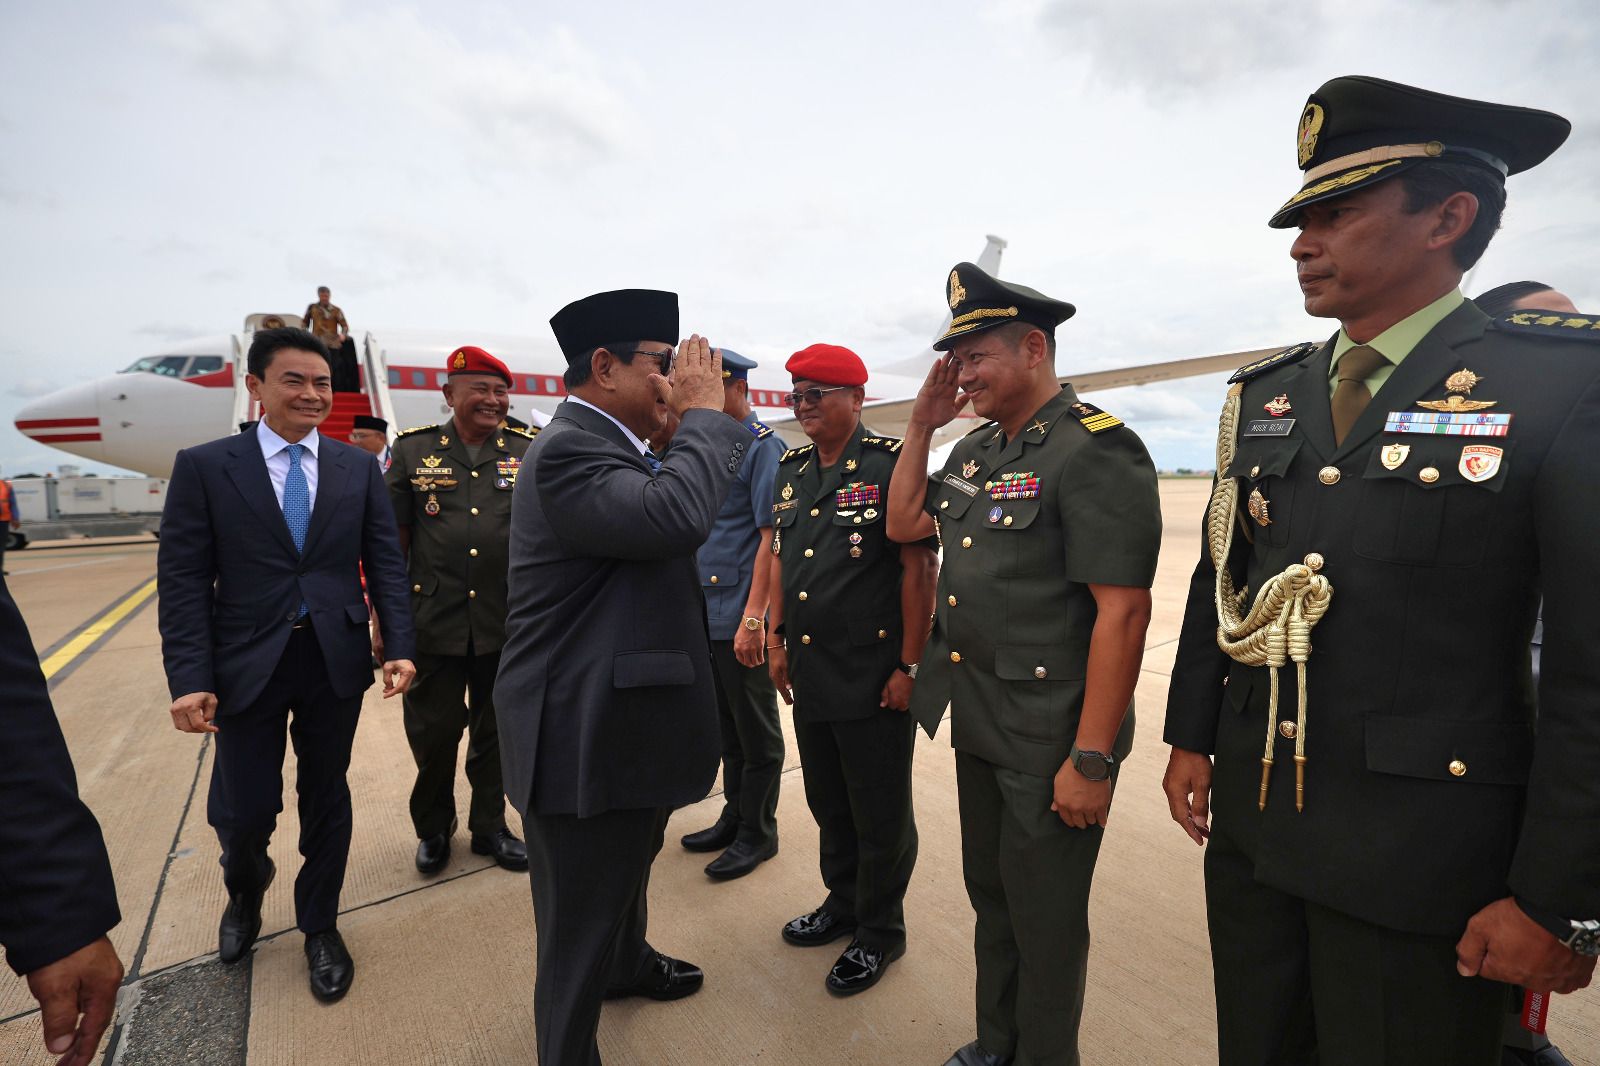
{"x":632,"y":437}
{"x":273,"y":451}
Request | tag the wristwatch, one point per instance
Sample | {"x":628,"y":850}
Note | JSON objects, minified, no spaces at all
{"x":909,"y":669}
{"x":752,"y":623}
{"x":1584,"y":938}
{"x":1093,"y":765}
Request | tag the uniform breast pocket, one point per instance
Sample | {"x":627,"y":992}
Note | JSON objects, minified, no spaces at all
{"x":1431,"y":502}
{"x":951,"y":496}
{"x":1007,"y":549}
{"x":1262,"y":467}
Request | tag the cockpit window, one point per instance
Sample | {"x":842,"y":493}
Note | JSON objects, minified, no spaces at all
{"x":176,"y":366}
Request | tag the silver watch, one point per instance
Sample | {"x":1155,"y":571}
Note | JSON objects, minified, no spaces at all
{"x":1585,"y":938}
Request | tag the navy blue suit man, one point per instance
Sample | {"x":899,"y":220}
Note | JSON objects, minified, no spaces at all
{"x":264,"y":634}
{"x":57,"y":899}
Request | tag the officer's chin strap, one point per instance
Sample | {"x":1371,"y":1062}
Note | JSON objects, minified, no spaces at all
{"x":1278,"y":627}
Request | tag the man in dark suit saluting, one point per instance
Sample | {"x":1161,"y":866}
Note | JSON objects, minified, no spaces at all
{"x":608,"y":715}
{"x":262,"y":544}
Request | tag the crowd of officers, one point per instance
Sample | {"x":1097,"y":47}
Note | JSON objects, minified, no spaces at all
{"x":1429,"y":850}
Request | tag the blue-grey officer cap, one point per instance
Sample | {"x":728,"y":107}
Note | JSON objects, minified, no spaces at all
{"x":736,"y":367}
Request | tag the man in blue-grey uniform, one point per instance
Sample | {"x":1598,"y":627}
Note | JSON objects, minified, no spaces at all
{"x":734,"y":567}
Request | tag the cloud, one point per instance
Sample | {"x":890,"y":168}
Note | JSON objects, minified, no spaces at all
{"x":168,"y":331}
{"x":32,"y":387}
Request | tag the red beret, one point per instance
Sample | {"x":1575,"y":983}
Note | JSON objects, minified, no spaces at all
{"x":470,"y":360}
{"x":829,"y":364}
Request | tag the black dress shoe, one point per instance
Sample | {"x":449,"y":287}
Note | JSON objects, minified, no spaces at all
{"x":740,"y":859}
{"x":433,"y":852}
{"x":716,"y":838}
{"x":1549,"y":1055}
{"x":507,"y":850}
{"x":332,"y":968}
{"x":819,"y":927}
{"x":974,"y":1055}
{"x":665,"y":978}
{"x":241,"y":921}
{"x":860,"y":967}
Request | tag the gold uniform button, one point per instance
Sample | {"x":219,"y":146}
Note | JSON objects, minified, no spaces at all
{"x":472,"y":552}
{"x":1040,"y":672}
{"x":966,"y":542}
{"x":1329,"y":475}
{"x":1288,"y":729}
{"x":952,"y":601}
{"x":809,"y":553}
{"x":416,"y":588}
{"x":944,"y":504}
{"x":1255,"y":471}
{"x":472,"y":594}
{"x":474,"y":473}
{"x":815,"y":512}
{"x":1458,"y":768}
{"x":803,"y":597}
{"x":856,"y":520}
{"x":882,"y":633}
{"x":714,"y":579}
{"x":1008,"y":521}
{"x":1430,"y":474}
{"x":805,"y":638}
{"x":474,"y":510}
{"x":955,"y":656}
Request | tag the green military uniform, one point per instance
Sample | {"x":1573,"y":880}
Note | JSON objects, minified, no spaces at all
{"x":1405,"y":788}
{"x":1027,"y":525}
{"x":842,"y":624}
{"x":458,"y":510}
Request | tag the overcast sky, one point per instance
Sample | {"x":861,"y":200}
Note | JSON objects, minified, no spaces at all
{"x":797,"y":172}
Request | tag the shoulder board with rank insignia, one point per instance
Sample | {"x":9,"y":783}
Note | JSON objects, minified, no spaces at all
{"x":888,"y":444}
{"x":797,"y":453}
{"x":416,"y":429}
{"x":516,"y":431}
{"x":760,"y":429}
{"x":1092,"y":418}
{"x":1283,"y":358}
{"x":1578,"y":327}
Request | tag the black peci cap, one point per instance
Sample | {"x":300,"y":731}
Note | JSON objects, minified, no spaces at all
{"x":620,"y":315}
{"x":979,"y":302}
{"x":1357,"y":131}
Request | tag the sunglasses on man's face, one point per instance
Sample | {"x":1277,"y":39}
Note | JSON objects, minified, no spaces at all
{"x":664,"y":359}
{"x":812,"y":395}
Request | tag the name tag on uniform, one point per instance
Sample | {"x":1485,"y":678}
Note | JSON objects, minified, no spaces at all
{"x":1268,"y":427}
{"x":961,"y":484}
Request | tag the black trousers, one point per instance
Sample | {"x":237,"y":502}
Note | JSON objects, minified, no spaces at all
{"x":752,"y":745}
{"x":858,"y":786}
{"x":1298,"y":983}
{"x":591,"y":883}
{"x":452,"y":693}
{"x":247,"y":781}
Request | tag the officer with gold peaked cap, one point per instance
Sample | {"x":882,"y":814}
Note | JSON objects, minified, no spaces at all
{"x":1387,"y":836}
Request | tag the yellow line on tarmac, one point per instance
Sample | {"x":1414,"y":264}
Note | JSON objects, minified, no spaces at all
{"x":97,"y":629}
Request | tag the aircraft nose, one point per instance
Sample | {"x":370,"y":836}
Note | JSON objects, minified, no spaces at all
{"x":68,"y":419}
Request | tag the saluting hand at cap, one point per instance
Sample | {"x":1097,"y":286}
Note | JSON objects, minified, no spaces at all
{"x":696,"y":378}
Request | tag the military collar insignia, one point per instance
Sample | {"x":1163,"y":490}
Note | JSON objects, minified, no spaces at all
{"x":1480,"y":462}
{"x":1092,"y":418}
{"x":1278,"y":406}
{"x":1260,"y":366}
{"x":499,"y":442}
{"x":850,"y":466}
{"x":444,"y":440}
{"x":1550,"y":324}
{"x":1458,"y":385}
{"x":1039,"y":425}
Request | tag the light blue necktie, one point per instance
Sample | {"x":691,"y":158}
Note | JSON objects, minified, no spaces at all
{"x":297,"y":504}
{"x":655,"y":464}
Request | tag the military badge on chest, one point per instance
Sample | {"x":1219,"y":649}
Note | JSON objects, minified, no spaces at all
{"x":856,"y":494}
{"x":506,"y":472}
{"x":1455,"y":415}
{"x":1016,"y":485}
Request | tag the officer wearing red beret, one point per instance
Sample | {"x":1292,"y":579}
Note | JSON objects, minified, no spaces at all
{"x":451,"y":489}
{"x":849,"y":616}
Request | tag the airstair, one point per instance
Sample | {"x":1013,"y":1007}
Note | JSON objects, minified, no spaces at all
{"x":372,"y":373}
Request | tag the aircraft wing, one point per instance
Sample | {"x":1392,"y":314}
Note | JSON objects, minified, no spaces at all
{"x":889,"y":416}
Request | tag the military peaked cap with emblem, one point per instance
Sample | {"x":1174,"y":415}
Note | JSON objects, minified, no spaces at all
{"x":614,"y":317}
{"x":1357,"y":131}
{"x":735,"y":367}
{"x":470,"y":360}
{"x":978,"y":302}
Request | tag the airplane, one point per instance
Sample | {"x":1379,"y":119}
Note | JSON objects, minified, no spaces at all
{"x":194,"y":391}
